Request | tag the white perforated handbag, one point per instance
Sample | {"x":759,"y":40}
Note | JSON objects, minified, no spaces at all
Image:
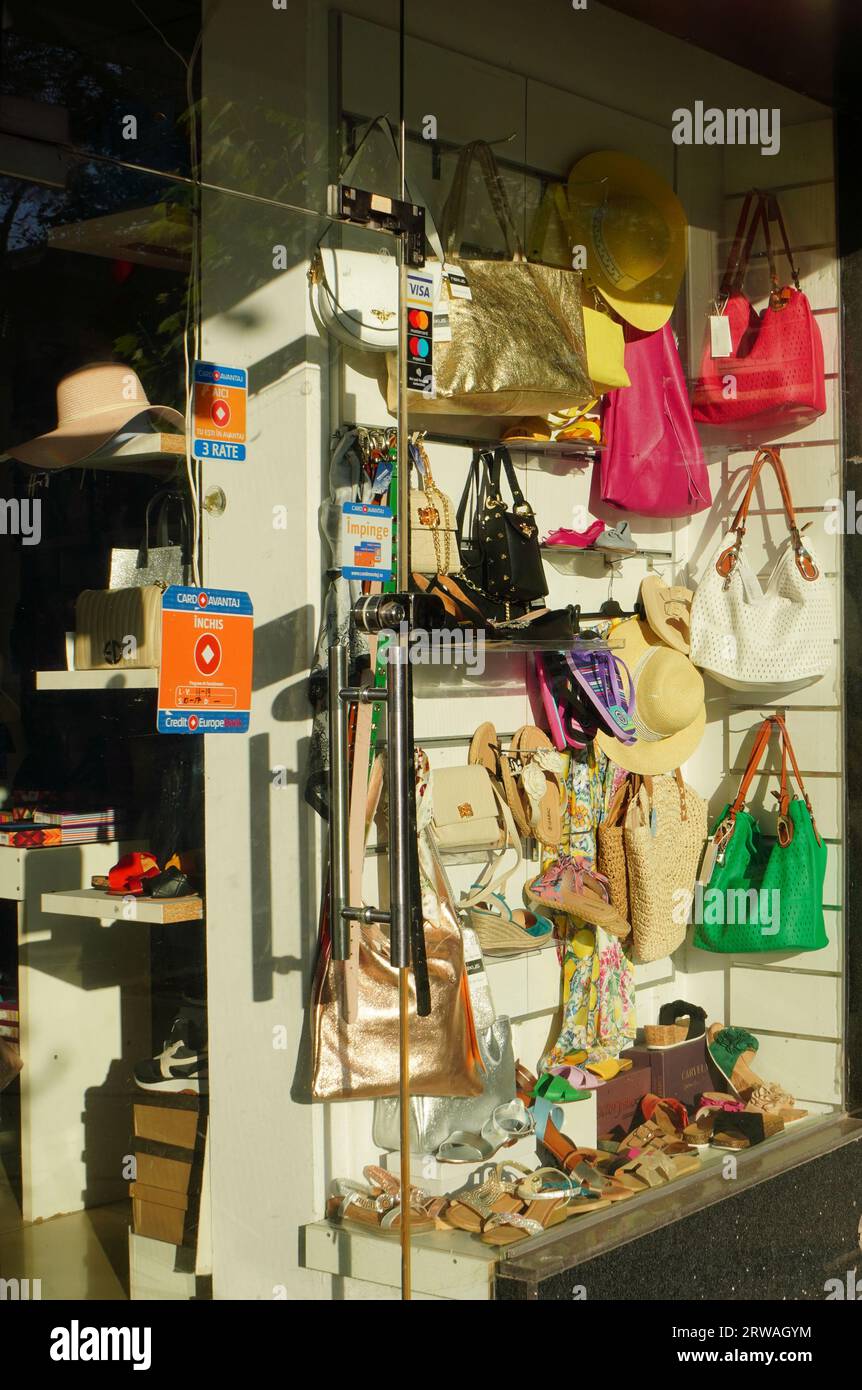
{"x":750,"y":638}
{"x":354,"y":285}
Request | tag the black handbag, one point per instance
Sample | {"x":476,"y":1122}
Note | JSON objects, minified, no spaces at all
{"x":500,"y":550}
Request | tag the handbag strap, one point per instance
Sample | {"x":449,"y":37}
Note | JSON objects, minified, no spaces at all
{"x":735,"y":269}
{"x":163,"y":500}
{"x":474,"y":488}
{"x":454,"y":212}
{"x":494,"y":877}
{"x":502,"y":463}
{"x":785,"y":824}
{"x":728,"y":558}
{"x":755,"y":757}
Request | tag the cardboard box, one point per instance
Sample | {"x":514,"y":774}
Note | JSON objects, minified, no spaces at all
{"x":167,"y":1124}
{"x":158,"y":1213}
{"x":618,"y":1100}
{"x":684,"y":1071}
{"x":167,"y":1174}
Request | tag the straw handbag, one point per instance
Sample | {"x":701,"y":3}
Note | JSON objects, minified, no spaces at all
{"x":649,"y":847}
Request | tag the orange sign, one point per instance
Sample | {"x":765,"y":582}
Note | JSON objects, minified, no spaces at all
{"x":205,"y":676}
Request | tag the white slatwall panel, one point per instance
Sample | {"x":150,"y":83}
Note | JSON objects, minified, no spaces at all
{"x":806,"y":996}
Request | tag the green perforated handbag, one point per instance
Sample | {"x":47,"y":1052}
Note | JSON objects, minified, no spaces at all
{"x":764,"y":895}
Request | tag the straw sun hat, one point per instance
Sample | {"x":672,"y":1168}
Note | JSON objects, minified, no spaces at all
{"x":670,"y":709}
{"x":93,"y":404}
{"x":634,"y":228}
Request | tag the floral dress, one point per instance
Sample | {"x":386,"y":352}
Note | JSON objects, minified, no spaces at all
{"x":598,"y":978}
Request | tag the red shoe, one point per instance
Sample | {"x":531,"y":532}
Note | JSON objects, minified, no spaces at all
{"x":129,"y":872}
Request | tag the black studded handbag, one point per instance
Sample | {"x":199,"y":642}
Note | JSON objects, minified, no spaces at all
{"x":499,"y":546}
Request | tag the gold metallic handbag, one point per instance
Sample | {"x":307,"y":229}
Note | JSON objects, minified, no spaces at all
{"x":516,"y":345}
{"x":118,"y":628}
{"x":550,"y":242}
{"x":359,"y":1060}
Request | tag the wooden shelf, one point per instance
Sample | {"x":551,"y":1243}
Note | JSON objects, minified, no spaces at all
{"x":607,"y":555}
{"x":93,"y":902}
{"x":135,"y":678}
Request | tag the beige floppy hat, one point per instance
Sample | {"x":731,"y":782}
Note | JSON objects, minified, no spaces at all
{"x":634,"y":228}
{"x":93,"y":404}
{"x":670,"y":708}
{"x":668,"y":612}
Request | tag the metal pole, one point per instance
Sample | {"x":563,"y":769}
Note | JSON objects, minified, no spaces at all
{"x":339,"y":797}
{"x":399,"y":753}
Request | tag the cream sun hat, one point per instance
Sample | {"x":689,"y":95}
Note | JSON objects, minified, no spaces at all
{"x":93,"y":404}
{"x":670,"y":709}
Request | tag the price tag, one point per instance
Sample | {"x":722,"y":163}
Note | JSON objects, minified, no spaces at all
{"x":459,"y":285}
{"x":719,"y":336}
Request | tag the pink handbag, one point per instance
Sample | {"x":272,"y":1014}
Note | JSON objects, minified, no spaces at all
{"x":653,"y":461}
{"x":774,"y":375}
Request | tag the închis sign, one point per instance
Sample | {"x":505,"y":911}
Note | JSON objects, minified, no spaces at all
{"x":207,"y":650}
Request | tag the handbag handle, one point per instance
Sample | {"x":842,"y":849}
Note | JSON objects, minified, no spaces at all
{"x":728,"y":558}
{"x":452,"y":226}
{"x":766,"y":209}
{"x":502,"y":462}
{"x":165,"y":497}
{"x":476,"y":488}
{"x":733,"y":272}
{"x":494,"y":878}
{"x":776,"y":723}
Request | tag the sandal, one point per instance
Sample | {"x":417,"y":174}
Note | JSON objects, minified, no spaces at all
{"x":744,"y":1129}
{"x":571,"y":886}
{"x":549,"y":1197}
{"x":669,"y":1031}
{"x":567,"y":730}
{"x":378,"y":1209}
{"x":500,"y":930}
{"x":772,"y":1099}
{"x":539,"y":771}
{"x":472,"y":1208}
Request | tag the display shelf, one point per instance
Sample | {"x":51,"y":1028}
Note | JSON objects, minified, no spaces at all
{"x":135,"y":678}
{"x":607,"y":555}
{"x":161,"y":451}
{"x":94,"y":902}
{"x":445,"y":1264}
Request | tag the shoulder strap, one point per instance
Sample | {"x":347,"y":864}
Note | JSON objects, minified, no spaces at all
{"x":474,"y":487}
{"x":494,"y":877}
{"x":454,"y":212}
{"x":741,"y":247}
{"x":785,"y":825}
{"x":772,"y":213}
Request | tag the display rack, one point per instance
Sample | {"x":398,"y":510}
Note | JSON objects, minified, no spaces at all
{"x":136,"y":678}
{"x":113,"y":907}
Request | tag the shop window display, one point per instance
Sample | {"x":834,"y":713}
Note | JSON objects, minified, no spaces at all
{"x":539,"y":437}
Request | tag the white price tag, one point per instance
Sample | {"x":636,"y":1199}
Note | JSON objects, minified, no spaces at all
{"x":719,"y":336}
{"x":459,"y":285}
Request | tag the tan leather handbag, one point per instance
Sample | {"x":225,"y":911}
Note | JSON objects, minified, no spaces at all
{"x":118,"y":628}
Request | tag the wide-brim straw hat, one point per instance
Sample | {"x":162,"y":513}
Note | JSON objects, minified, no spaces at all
{"x":634,"y":229}
{"x":670,"y":706}
{"x":93,"y":404}
{"x":667,"y":609}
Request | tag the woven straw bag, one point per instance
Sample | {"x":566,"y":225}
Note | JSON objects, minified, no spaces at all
{"x":610,"y":846}
{"x":664,"y":833}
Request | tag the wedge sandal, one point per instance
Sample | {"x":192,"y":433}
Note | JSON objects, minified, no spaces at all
{"x":571,"y":886}
{"x":678,"y":1023}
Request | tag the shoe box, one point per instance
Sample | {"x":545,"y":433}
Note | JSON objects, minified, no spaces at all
{"x":617,"y":1101}
{"x":169,"y":1134}
{"x":684,"y":1071}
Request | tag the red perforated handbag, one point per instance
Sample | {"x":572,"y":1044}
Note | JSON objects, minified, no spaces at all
{"x":773,"y":375}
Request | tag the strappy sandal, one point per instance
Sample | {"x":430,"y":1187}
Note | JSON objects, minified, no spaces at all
{"x":572,"y":887}
{"x":536,"y":770}
{"x":375,"y":1209}
{"x":472,"y":1208}
{"x":549,"y":1197}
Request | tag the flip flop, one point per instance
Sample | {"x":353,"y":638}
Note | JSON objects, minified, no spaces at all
{"x":598,"y":676}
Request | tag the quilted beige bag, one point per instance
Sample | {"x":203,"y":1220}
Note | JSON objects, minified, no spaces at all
{"x":433,"y":525}
{"x":650,"y":848}
{"x":118,"y":628}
